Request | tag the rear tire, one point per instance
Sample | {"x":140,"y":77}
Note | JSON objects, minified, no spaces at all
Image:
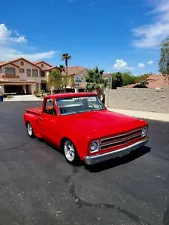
{"x":30,"y":130}
{"x":70,"y":152}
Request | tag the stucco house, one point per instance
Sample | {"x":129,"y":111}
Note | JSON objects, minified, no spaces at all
{"x":21,"y":76}
{"x":78,"y":73}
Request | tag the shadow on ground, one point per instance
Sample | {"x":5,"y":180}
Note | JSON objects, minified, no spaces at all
{"x":111,"y":163}
{"x":119,"y":161}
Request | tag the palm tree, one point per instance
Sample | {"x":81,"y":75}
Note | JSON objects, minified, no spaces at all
{"x":66,"y":57}
{"x":62,"y":68}
{"x":94,"y":79}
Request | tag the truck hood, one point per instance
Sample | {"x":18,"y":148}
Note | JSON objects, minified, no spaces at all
{"x":102,"y":123}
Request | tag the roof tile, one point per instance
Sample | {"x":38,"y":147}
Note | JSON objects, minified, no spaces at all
{"x":72,"y":70}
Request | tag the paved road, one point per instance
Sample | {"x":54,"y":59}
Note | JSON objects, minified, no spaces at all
{"x":37,"y":186}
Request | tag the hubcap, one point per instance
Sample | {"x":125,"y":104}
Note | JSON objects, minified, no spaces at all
{"x":69,"y":151}
{"x":29,"y":127}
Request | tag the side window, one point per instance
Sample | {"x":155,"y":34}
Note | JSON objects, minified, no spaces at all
{"x":49,"y":107}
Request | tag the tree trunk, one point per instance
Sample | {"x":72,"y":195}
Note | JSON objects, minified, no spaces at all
{"x":66,"y":64}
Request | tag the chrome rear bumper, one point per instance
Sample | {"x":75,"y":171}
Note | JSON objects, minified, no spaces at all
{"x":91,"y":160}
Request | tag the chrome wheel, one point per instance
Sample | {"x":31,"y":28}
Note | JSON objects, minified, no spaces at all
{"x":69,"y":151}
{"x":30,"y":130}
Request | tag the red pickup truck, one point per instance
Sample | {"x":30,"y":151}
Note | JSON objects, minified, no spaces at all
{"x":80,"y":126}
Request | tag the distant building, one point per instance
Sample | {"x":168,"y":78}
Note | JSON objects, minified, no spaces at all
{"x":21,"y":76}
{"x":109,"y":77}
{"x":78,"y":73}
{"x":154,"y":81}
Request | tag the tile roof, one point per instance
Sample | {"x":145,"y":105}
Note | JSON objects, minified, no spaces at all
{"x":131,"y":85}
{"x":1,"y":62}
{"x":106,"y":75}
{"x":21,"y":58}
{"x":41,"y":61}
{"x":10,"y":62}
{"x":154,"y":81}
{"x":53,"y":67}
{"x":32,"y":63}
{"x":72,"y":70}
{"x":157,"y":81}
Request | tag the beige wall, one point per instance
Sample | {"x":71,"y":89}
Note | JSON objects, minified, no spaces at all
{"x":45,"y":66}
{"x":142,"y":99}
{"x":9,"y":65}
{"x":23,"y":76}
{"x":81,"y":76}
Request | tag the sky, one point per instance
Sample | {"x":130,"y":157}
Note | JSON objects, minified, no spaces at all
{"x":115,"y":35}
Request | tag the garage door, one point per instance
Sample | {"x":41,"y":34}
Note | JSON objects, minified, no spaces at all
{"x":13,"y":89}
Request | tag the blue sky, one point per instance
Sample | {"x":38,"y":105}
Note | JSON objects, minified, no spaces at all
{"x":116,"y":35}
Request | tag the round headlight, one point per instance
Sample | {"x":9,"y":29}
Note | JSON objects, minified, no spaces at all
{"x":144,"y":132}
{"x":94,"y":146}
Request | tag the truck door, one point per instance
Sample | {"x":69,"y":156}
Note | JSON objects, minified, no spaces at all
{"x":47,"y":120}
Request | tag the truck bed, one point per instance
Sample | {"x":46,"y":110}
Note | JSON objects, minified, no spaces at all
{"x":36,"y":111}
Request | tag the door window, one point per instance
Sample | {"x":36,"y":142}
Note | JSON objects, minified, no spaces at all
{"x":49,"y":107}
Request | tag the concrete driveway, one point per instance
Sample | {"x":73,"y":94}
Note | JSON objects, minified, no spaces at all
{"x":37,"y":185}
{"x":22,"y":98}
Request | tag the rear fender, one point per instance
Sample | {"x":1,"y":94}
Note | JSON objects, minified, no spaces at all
{"x":32,"y":119}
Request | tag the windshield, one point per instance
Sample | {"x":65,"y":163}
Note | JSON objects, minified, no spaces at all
{"x":79,"y":104}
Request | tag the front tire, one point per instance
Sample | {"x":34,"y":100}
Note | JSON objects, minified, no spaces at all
{"x":70,"y":152}
{"x":30,"y":130}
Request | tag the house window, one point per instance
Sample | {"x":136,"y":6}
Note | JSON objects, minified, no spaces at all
{"x":21,"y":70}
{"x":10,"y":71}
{"x":28,"y":73}
{"x":34,"y":73}
{"x":22,"y":63}
{"x":42,"y":73}
{"x":42,"y":65}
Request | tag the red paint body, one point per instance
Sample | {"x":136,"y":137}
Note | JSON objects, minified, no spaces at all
{"x":80,"y":128}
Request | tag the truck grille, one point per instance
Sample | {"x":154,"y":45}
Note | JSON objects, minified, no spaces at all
{"x":120,"y":139}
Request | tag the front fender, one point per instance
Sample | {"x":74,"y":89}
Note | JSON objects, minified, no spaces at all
{"x":80,"y":141}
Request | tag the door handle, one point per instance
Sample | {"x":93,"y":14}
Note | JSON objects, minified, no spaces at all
{"x":40,"y":119}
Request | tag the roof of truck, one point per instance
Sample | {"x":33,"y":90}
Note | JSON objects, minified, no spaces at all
{"x":72,"y":95}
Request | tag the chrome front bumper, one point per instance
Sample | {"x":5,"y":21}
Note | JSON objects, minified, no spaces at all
{"x":91,"y":160}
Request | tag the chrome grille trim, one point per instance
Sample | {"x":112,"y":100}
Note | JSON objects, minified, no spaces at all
{"x":116,"y":142}
{"x":122,"y":134}
{"x":120,"y":139}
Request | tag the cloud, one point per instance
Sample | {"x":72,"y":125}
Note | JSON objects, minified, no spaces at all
{"x":141,"y":65}
{"x":151,"y":35}
{"x":6,"y":36}
{"x":150,"y":62}
{"x":122,"y":65}
{"x":8,"y":53}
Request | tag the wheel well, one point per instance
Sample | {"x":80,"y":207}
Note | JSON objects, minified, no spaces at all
{"x":62,"y":142}
{"x":26,"y":123}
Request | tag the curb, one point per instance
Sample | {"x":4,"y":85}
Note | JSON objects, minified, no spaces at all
{"x":143,"y":114}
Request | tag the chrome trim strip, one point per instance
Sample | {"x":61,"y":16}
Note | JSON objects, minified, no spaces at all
{"x":116,"y":142}
{"x":91,"y":160}
{"x":121,"y":134}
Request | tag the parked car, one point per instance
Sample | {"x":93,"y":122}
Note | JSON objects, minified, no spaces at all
{"x":84,"y":129}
